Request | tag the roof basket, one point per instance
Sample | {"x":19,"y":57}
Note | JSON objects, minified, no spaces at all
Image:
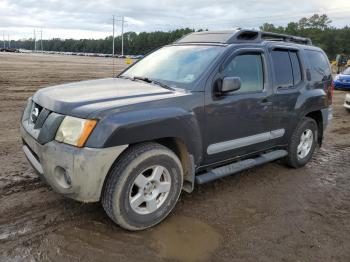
{"x":240,"y":36}
{"x":286,"y":38}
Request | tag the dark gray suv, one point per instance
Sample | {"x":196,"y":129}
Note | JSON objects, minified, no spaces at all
{"x":207,"y":106}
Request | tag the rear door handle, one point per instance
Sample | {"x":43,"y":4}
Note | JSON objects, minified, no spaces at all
{"x":265,"y":102}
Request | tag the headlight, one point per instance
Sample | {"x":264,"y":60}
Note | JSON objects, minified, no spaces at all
{"x":336,"y":77}
{"x":75,"y":131}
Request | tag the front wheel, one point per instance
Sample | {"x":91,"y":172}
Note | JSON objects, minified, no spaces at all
{"x":302,"y":143}
{"x":143,"y":187}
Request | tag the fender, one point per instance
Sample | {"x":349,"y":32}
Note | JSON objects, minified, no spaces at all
{"x":142,"y":125}
{"x":311,"y":100}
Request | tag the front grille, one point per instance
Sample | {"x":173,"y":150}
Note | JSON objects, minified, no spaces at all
{"x":34,"y":113}
{"x":347,"y":102}
{"x":44,"y":113}
{"x":41,"y":123}
{"x":38,"y":115}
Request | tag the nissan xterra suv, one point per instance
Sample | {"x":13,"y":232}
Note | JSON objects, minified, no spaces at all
{"x":205,"y":107}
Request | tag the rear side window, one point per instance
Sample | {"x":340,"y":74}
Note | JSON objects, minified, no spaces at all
{"x":319,"y":65}
{"x":287,"y":68}
{"x":282,"y":68}
{"x":249,"y":68}
{"x":296,"y":67}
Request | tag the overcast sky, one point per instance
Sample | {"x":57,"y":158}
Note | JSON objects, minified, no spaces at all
{"x":93,"y":19}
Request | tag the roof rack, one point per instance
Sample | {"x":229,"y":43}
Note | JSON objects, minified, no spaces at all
{"x":240,"y":36}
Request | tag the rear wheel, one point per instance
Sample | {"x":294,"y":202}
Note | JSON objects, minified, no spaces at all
{"x":302,"y":143}
{"x":143,"y":187}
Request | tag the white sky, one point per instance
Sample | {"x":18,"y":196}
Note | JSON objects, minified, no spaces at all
{"x":93,"y":19}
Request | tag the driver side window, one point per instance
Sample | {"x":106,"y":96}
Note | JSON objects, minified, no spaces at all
{"x":249,"y":68}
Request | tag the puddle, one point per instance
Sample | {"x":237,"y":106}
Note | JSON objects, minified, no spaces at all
{"x":185,"y":239}
{"x":178,"y":238}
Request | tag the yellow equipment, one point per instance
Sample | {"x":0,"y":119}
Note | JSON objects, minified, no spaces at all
{"x":128,"y":61}
{"x":341,"y":62}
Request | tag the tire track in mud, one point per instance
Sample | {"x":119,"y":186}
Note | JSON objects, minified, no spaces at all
{"x":41,"y":211}
{"x":330,"y":203}
{"x":42,"y":217}
{"x":326,"y":156}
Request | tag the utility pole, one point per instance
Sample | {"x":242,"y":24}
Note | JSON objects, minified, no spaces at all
{"x":34,"y":41}
{"x":8,"y":38}
{"x":3,"y":38}
{"x":113,"y":37}
{"x":113,"y":46}
{"x":122,"y":35}
{"x":41,"y":40}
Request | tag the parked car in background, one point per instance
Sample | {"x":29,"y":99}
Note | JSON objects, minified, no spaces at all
{"x":347,"y":102}
{"x":342,"y":81}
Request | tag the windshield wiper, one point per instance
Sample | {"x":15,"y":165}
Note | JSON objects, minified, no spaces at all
{"x":152,"y":81}
{"x":125,"y":77}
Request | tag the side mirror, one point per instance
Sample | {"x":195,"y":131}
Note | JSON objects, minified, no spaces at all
{"x":230,"y":84}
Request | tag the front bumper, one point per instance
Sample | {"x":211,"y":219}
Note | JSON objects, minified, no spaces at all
{"x":78,"y":173}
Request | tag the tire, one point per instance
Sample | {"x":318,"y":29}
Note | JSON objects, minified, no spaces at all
{"x":298,"y":157}
{"x":141,"y":173}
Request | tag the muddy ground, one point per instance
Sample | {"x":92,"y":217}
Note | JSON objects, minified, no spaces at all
{"x":269,"y":213}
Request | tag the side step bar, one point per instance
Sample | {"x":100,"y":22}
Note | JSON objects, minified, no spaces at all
{"x":240,"y":166}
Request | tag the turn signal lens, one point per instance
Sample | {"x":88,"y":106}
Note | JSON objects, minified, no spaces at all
{"x":88,"y":127}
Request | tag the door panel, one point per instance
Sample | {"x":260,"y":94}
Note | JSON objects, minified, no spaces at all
{"x":239,"y":123}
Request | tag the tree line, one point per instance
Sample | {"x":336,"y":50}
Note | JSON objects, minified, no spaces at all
{"x":317,"y":27}
{"x":134,"y":43}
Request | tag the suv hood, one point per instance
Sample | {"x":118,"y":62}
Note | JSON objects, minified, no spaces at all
{"x":80,"y":99}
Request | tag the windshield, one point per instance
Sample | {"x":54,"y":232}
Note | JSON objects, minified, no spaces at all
{"x":346,"y":71}
{"x":176,"y":64}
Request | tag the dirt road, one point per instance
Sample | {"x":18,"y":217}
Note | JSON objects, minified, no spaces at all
{"x":269,"y":213}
